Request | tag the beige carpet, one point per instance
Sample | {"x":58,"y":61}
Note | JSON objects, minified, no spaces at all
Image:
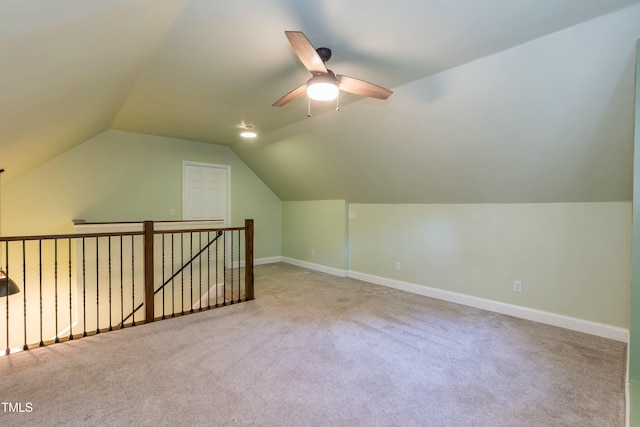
{"x":318,"y":350}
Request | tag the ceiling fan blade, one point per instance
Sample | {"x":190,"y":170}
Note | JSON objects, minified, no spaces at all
{"x":360,"y":87}
{"x":294,"y":94}
{"x":306,"y":52}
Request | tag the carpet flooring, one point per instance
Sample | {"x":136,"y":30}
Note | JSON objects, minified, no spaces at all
{"x":318,"y":350}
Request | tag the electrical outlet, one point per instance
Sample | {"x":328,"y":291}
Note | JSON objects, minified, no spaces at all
{"x":313,"y":252}
{"x":172,"y":212}
{"x":398,"y":265}
{"x":352,"y":215}
{"x":517,"y":286}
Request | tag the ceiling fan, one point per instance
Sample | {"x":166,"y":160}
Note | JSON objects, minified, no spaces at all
{"x":324,"y":85}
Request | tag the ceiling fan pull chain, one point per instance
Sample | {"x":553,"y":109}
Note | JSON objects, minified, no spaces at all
{"x":338,"y":102}
{"x":308,"y":107}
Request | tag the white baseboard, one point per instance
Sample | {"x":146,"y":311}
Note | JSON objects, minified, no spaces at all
{"x":627,"y":388}
{"x":316,"y":267}
{"x":269,"y":260}
{"x":567,"y":322}
{"x":206,"y":297}
{"x":258,"y":261}
{"x":548,"y":318}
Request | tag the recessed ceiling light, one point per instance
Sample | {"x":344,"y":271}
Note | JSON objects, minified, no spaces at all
{"x":248,"y":132}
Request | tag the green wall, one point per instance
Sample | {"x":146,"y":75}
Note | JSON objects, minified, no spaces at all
{"x":315,"y":232}
{"x":572,"y":258}
{"x":123,"y":176}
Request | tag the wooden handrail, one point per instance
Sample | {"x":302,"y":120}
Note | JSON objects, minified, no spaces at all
{"x":70,"y":236}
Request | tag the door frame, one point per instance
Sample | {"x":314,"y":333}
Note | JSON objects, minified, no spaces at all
{"x":226,"y":168}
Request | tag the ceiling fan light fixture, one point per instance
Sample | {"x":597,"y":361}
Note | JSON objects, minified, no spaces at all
{"x":322,"y":88}
{"x":248,"y":132}
{"x":324,"y":85}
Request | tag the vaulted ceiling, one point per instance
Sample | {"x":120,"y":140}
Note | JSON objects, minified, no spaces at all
{"x":494,"y":100}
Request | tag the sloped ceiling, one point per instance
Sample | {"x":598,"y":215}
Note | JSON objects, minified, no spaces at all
{"x":495,"y":100}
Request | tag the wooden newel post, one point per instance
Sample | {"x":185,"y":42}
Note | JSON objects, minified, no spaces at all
{"x":248,"y":259}
{"x":149,"y":311}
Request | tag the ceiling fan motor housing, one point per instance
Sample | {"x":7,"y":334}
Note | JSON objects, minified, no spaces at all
{"x":324,"y":53}
{"x":329,"y":75}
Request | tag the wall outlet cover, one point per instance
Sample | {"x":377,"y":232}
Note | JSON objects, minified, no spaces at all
{"x":517,"y":286}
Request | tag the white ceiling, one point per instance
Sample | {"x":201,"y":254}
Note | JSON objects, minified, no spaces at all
{"x":495,"y":100}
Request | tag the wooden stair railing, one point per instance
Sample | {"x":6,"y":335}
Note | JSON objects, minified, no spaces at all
{"x":52,"y":272}
{"x":151,"y":315}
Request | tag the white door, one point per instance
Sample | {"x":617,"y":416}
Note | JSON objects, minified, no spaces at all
{"x":205,"y":191}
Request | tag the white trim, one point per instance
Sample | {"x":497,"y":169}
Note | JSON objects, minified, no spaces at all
{"x":257,"y":261}
{"x":548,"y":318}
{"x":123,"y":227}
{"x":567,"y":322}
{"x":269,"y":260}
{"x":627,"y":392}
{"x":187,"y":225}
{"x":627,"y":389}
{"x":108,"y":227}
{"x":206,"y":297}
{"x":316,"y":267}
